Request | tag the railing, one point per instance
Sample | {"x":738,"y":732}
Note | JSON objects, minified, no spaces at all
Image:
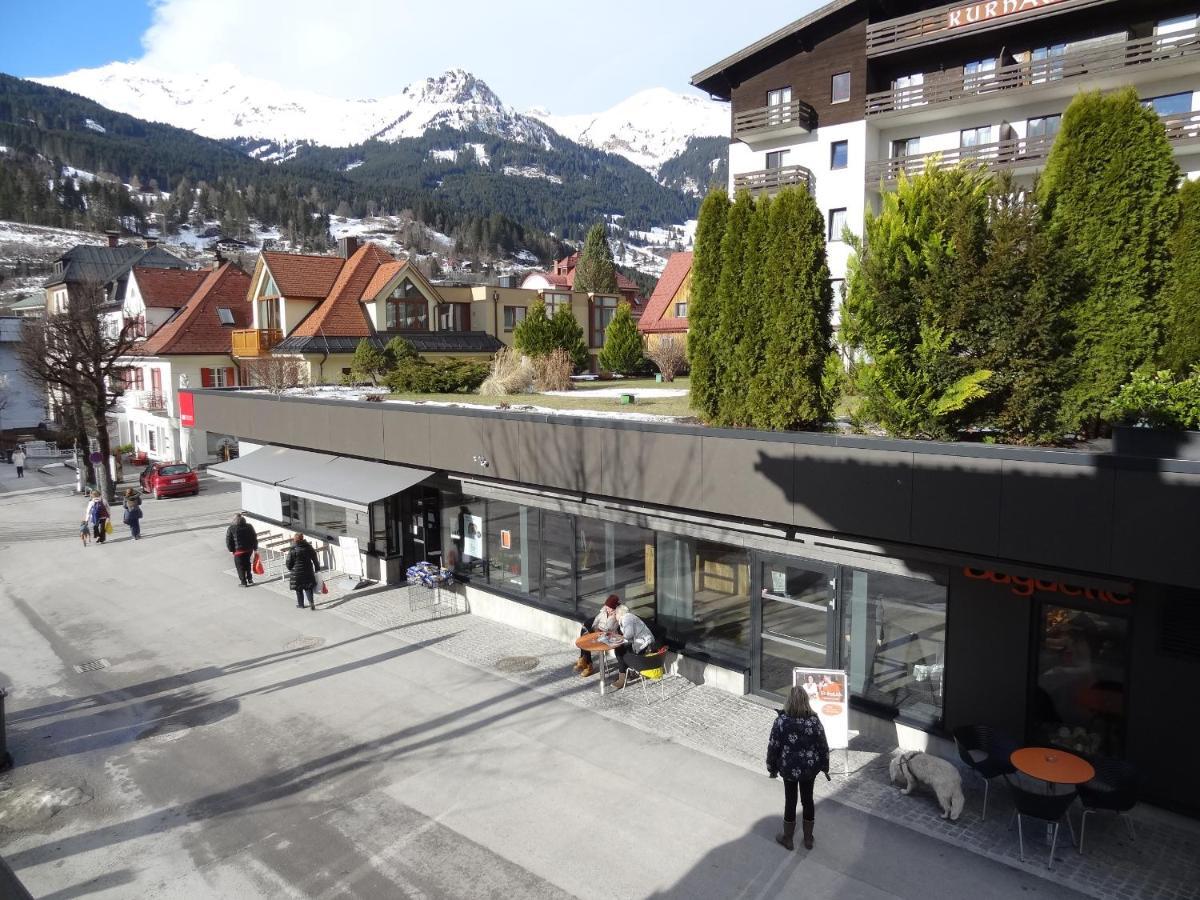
{"x":963,"y":17}
{"x":764,"y":181}
{"x":255,"y":341}
{"x":1013,"y":153}
{"x":155,"y":401}
{"x":793,"y":117}
{"x":946,"y":87}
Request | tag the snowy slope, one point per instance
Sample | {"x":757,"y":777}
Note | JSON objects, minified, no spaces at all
{"x":648,"y":128}
{"x":223,"y":103}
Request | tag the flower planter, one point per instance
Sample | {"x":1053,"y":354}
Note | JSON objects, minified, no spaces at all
{"x":1158,"y":443}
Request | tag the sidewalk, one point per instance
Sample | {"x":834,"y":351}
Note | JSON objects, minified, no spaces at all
{"x":1163,"y":862}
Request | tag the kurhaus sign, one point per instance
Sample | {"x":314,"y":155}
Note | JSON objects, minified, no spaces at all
{"x":973,"y":13}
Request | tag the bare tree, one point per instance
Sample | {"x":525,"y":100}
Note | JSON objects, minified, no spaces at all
{"x":77,"y":356}
{"x":670,"y":355}
{"x":276,"y":373}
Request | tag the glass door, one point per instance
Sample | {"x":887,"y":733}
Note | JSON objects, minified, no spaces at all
{"x":797,"y":606}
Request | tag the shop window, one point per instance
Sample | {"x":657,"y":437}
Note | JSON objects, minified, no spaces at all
{"x":289,"y":511}
{"x":1082,"y":668}
{"x":557,"y":549}
{"x":895,"y":642}
{"x":511,"y":546}
{"x":703,"y":596}
{"x":613,"y":558}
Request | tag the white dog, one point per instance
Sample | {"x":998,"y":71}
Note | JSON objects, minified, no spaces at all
{"x":942,"y":776}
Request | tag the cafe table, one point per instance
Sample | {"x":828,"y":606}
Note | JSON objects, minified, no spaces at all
{"x":592,"y":643}
{"x":1052,"y":765}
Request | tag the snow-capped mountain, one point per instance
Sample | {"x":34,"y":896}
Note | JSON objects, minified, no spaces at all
{"x":648,"y":128}
{"x":223,"y":103}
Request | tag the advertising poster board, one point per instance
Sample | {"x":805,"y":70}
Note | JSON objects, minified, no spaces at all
{"x":351,"y":561}
{"x":826,"y":689}
{"x":473,"y":536}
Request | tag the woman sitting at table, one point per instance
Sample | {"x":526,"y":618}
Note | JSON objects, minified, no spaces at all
{"x":607,"y":620}
{"x":634,"y":653}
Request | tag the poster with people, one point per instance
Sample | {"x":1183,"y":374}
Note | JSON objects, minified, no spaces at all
{"x":473,"y":538}
{"x":826,"y":689}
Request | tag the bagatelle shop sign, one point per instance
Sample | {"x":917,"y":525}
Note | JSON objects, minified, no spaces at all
{"x":987,"y":10}
{"x":1024,"y":586}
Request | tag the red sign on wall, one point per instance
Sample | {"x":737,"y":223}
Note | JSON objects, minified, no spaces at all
{"x":187,"y":410}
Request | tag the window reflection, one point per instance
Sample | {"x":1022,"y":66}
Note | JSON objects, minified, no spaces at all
{"x":704,"y":596}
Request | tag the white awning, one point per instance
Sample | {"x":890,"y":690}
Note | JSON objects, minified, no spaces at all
{"x":340,"y":480}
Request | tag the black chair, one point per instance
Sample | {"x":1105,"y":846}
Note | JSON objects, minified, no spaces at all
{"x":987,"y":752}
{"x":1115,"y":789}
{"x":1050,"y":808}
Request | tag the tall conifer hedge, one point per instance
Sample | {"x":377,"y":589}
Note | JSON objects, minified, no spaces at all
{"x":703,"y":308}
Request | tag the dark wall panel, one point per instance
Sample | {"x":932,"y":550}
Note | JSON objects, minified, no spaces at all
{"x":561,"y":456}
{"x":1058,"y":514}
{"x":956,"y":503}
{"x":406,"y":437}
{"x":859,"y":491}
{"x":987,"y":656}
{"x":356,"y":431}
{"x":653,"y":467}
{"x":1156,"y":521}
{"x":749,"y":479}
{"x":456,"y":441}
{"x":303,"y":424}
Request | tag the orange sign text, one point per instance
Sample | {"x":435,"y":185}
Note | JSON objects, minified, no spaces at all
{"x":1023,"y":586}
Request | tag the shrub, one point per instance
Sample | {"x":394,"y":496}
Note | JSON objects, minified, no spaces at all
{"x":1158,"y":400}
{"x":669,"y":354}
{"x":567,"y":334}
{"x":623,"y":349}
{"x":534,"y":335}
{"x":399,"y":350}
{"x":369,"y":362}
{"x":552,"y":372}
{"x":449,"y":377}
{"x":511,"y":373}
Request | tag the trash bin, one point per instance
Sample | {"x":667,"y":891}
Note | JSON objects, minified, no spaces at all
{"x":5,"y":759}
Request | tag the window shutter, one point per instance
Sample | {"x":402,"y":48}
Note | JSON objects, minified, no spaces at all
{"x":206,"y":378}
{"x":230,"y":376}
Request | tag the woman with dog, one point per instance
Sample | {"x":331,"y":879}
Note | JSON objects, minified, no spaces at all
{"x":797,"y":751}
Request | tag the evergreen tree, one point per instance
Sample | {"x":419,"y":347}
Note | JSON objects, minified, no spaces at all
{"x":902,"y":312}
{"x":703,"y":308}
{"x":369,"y":362}
{"x":787,"y":389}
{"x":727,"y":329}
{"x":742,"y":336}
{"x":534,"y":335}
{"x":567,"y":334}
{"x":595,"y":272}
{"x":1109,"y":190}
{"x":1181,"y":297}
{"x":624,"y":351}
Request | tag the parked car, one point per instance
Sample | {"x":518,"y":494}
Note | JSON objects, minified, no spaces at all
{"x":169,"y":480}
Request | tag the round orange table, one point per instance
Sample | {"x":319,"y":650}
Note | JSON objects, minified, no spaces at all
{"x":1052,"y":765}
{"x":592,"y":644}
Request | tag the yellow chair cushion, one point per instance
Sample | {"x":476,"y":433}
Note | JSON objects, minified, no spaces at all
{"x":653,"y":674}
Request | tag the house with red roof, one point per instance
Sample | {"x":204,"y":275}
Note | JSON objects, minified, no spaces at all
{"x":192,"y":348}
{"x":666,"y":312}
{"x":316,"y":309}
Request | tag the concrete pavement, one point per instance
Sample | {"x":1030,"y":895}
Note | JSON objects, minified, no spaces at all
{"x":178,"y":736}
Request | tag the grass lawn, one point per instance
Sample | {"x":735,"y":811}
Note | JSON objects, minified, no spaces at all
{"x":579,"y":399}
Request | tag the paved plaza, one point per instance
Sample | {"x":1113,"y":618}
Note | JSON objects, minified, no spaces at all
{"x":177,"y":735}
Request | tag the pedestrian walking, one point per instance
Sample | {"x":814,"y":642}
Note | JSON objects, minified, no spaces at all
{"x":303,"y":566}
{"x":18,"y":459}
{"x":797,"y":751}
{"x":241,"y":540}
{"x":133,"y":513}
{"x":97,"y":516}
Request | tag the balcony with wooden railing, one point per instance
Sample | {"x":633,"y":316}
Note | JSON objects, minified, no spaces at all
{"x":1019,"y":154}
{"x":251,"y":342}
{"x":1107,"y":65}
{"x":768,"y":181}
{"x":779,"y":120}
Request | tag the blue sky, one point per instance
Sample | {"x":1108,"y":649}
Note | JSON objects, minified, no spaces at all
{"x":567,"y":57}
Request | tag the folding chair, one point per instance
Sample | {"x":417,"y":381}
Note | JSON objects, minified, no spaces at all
{"x":659,"y":673}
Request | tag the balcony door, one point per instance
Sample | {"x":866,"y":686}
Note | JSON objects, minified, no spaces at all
{"x":796,"y":614}
{"x":268,"y":314}
{"x":779,"y":106}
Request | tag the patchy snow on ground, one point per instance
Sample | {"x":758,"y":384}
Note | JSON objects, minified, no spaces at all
{"x":443,"y":155}
{"x":351,"y":166}
{"x":531,"y":172}
{"x":648,"y":393}
{"x":95,"y":126}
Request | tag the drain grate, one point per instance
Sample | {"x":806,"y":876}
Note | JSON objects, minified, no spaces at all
{"x":93,"y":666}
{"x":304,"y":643}
{"x":517,"y":663}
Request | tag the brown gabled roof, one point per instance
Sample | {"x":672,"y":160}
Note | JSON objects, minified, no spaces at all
{"x":301,"y":275}
{"x":655,"y":317}
{"x":168,"y":288}
{"x":341,"y":313}
{"x":197,"y":328}
{"x":382,"y":276}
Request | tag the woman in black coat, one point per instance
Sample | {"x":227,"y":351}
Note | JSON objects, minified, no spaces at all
{"x":797,"y":751}
{"x":302,"y":566}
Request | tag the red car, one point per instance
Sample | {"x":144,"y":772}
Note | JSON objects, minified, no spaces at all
{"x":169,"y":479}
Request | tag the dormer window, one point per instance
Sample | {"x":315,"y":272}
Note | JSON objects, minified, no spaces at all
{"x":269,"y":288}
{"x":407,"y":309}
